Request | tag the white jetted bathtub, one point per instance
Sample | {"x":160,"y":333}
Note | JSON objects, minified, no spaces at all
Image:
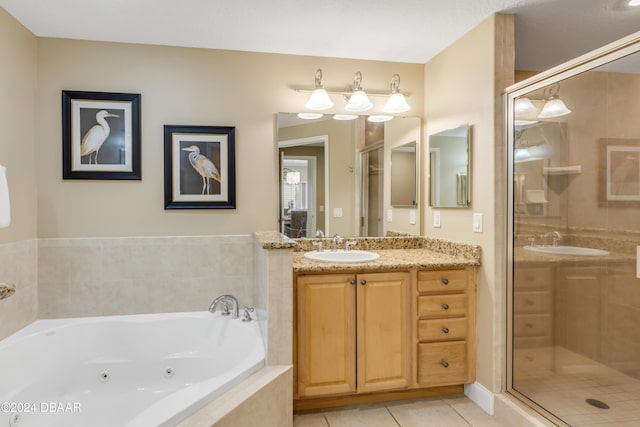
{"x":138,"y":370}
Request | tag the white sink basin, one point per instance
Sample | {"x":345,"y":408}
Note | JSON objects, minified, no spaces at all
{"x":567,"y":250}
{"x":341,"y":256}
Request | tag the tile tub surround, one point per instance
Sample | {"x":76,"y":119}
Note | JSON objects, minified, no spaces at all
{"x":396,"y":253}
{"x":133,"y":275}
{"x":18,"y":265}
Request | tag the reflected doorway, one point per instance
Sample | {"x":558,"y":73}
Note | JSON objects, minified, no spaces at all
{"x":372,"y":181}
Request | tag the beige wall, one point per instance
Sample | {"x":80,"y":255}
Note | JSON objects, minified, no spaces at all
{"x":17,"y":121}
{"x":18,"y":253}
{"x":180,"y":86}
{"x":463,"y":85}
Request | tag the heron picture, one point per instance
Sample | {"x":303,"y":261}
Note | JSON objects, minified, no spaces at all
{"x":199,"y":167}
{"x":101,"y":135}
{"x":620,"y":172}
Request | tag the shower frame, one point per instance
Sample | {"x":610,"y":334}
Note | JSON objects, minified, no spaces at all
{"x":608,"y":53}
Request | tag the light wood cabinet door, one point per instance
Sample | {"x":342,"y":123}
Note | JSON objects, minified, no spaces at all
{"x":326,"y":331}
{"x":383,"y":331}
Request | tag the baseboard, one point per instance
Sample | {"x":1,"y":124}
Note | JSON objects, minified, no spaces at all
{"x":481,"y":396}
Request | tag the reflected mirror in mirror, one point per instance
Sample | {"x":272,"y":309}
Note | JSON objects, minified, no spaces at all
{"x":449,"y":170}
{"x":404,"y":167}
{"x":345,"y":187}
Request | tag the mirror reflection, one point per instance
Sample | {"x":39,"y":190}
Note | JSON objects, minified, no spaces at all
{"x":449,"y":159}
{"x":336,"y":176}
{"x":404,"y":176}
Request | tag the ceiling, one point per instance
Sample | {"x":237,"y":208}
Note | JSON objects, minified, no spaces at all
{"x":548,"y":32}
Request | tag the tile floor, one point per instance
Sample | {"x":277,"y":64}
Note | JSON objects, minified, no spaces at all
{"x":447,"y":411}
{"x":564,"y":382}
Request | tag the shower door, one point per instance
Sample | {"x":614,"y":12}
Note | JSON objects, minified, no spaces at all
{"x":574,"y":220}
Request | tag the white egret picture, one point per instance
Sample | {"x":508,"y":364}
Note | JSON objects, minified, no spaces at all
{"x":620,"y":167}
{"x":199,"y":167}
{"x":101,"y":135}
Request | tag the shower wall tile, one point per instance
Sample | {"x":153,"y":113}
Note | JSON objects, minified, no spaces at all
{"x":109,"y":276}
{"x":18,"y":265}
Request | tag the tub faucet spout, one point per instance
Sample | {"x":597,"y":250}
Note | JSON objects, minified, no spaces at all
{"x":225,"y":300}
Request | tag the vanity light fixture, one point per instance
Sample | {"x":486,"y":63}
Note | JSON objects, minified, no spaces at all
{"x":552,"y":106}
{"x":357,"y":99}
{"x":396,"y":102}
{"x":634,"y":2}
{"x":345,"y":116}
{"x":379,"y":118}
{"x":309,"y":116}
{"x":319,"y":99}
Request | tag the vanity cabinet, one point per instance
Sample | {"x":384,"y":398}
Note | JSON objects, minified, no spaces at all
{"x":353,"y":333}
{"x":446,"y":327}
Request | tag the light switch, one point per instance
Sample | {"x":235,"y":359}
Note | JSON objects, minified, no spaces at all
{"x":477,"y":222}
{"x":436,"y":219}
{"x":321,"y":207}
{"x":412,"y":216}
{"x":337,"y":212}
{"x":389,"y":215}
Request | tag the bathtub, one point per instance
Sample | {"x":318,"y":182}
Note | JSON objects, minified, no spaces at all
{"x":137,"y":370}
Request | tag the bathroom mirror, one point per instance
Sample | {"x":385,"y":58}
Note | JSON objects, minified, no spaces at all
{"x":449,"y":170}
{"x":341,"y":188}
{"x":404,"y":175}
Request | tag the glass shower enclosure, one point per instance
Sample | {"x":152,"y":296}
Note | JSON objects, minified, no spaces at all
{"x":574,"y":222}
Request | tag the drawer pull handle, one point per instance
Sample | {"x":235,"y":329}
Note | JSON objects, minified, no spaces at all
{"x":445,"y":330}
{"x":363,"y":282}
{"x":352,"y":281}
{"x":445,"y":281}
{"x":445,"y":306}
{"x":445,"y":364}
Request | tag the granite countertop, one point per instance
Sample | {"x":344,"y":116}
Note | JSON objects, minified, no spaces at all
{"x":521,"y":255}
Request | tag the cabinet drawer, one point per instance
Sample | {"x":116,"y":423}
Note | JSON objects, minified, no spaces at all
{"x":442,"y":305}
{"x":442,"y":363}
{"x":440,"y":281}
{"x":533,"y":325}
{"x":443,"y":329}
{"x":532,"y":302}
{"x":533,"y":278}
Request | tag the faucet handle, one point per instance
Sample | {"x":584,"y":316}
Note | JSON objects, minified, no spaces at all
{"x":319,"y":245}
{"x":348,"y":244}
{"x":246,"y":316}
{"x":225,"y":308}
{"x":532,"y":241}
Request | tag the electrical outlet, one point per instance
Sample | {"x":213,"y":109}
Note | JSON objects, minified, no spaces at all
{"x":389,"y":215}
{"x":436,"y":219}
{"x":412,"y":217}
{"x":477,"y":222}
{"x":337,"y":212}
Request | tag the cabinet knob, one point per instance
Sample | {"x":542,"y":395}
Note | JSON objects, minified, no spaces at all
{"x":352,"y":281}
{"x":445,"y":364}
{"x":363,"y":282}
{"x":445,"y":281}
{"x":445,"y":306}
{"x":445,"y":330}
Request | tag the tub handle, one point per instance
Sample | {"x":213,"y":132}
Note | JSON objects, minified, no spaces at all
{"x":6,"y":290}
{"x":246,"y":316}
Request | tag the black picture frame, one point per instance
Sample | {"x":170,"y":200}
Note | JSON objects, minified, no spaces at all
{"x":86,"y":152}
{"x":199,"y":167}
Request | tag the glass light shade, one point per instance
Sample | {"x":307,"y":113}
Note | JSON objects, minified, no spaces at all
{"x":310,"y":116}
{"x":293,"y":177}
{"x":396,"y":104}
{"x":345,"y":116}
{"x":379,"y":118}
{"x":634,"y":2}
{"x":319,"y":100}
{"x":358,"y":102}
{"x":524,"y":106}
{"x":554,"y":108}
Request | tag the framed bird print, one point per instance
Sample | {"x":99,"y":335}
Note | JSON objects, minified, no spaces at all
{"x":100,"y":135}
{"x":199,"y":167}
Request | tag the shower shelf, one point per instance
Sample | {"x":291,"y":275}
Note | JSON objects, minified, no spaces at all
{"x":562,"y":170}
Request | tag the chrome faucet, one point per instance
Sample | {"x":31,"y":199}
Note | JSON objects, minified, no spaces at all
{"x":554,"y":234}
{"x":337,"y":240}
{"x":225,"y":300}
